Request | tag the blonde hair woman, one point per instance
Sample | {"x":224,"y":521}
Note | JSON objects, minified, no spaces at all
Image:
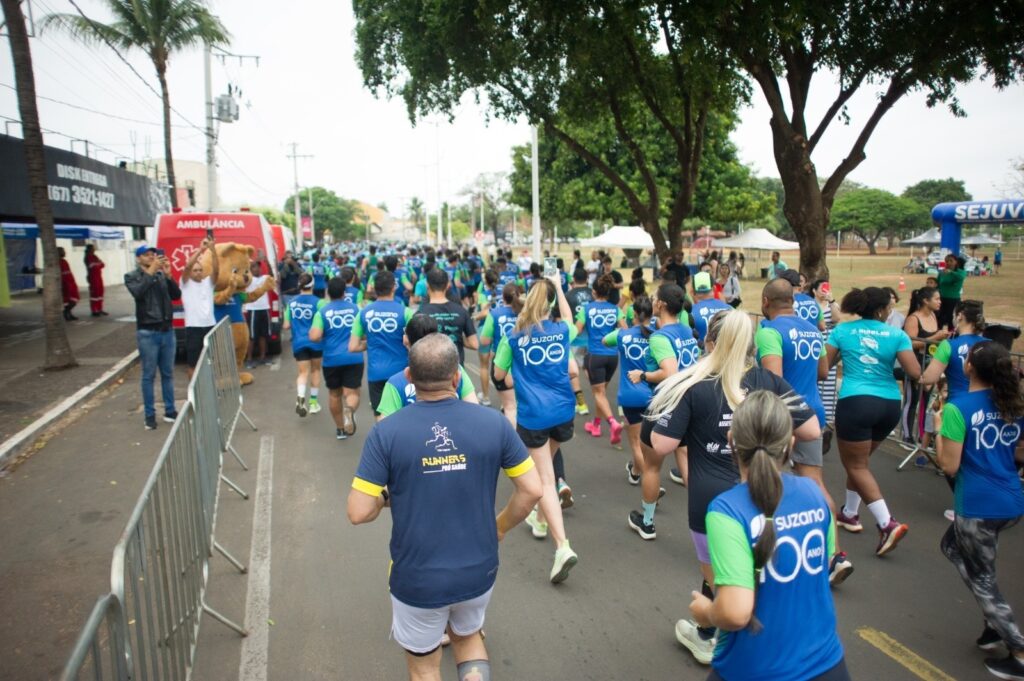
{"x":694,"y":408}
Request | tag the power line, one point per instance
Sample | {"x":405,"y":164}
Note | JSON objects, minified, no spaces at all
{"x":95,"y":111}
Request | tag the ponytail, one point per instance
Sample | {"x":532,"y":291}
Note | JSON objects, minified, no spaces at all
{"x":992,"y":364}
{"x":538,"y":305}
{"x":643,"y":310}
{"x":512,"y":295}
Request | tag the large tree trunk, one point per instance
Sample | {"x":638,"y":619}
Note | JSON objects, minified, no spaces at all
{"x":803,"y":207}
{"x":58,"y":350}
{"x":161,"y":72}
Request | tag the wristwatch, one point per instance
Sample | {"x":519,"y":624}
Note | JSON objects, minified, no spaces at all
{"x":643,"y":376}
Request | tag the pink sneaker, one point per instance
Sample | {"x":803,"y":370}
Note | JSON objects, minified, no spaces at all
{"x":850,"y":523}
{"x":592,"y":428}
{"x":616,"y":429}
{"x":889,"y":536}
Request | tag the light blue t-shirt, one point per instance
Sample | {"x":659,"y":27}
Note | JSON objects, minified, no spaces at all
{"x":868,"y":348}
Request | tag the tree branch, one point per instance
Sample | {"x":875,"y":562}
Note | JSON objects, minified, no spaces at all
{"x":764,"y":75}
{"x":830,"y":115}
{"x":635,"y":151}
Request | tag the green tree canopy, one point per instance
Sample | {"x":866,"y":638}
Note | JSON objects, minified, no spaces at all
{"x":927,"y":193}
{"x":331,"y":213}
{"x":870,"y":213}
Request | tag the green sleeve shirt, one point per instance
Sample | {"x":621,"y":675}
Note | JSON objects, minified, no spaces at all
{"x":954,"y":428}
{"x":951,"y":284}
{"x":390,"y":401}
{"x":768,"y":342}
{"x":611,"y":339}
{"x":943,"y":352}
{"x":503,"y":355}
{"x":487,"y":331}
{"x":660,"y":348}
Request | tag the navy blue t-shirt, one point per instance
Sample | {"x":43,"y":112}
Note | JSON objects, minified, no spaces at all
{"x":440,"y":462}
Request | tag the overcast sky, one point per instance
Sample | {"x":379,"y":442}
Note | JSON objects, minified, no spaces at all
{"x":307,"y":89}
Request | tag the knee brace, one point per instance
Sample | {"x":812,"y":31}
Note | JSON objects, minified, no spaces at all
{"x":474,"y":670}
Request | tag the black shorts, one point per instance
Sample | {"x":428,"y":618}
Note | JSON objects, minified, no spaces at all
{"x":866,"y":417}
{"x":259,"y":323}
{"x":600,"y":368}
{"x":194,"y":336}
{"x":633,"y":415}
{"x":472,"y":288}
{"x":538,"y":438}
{"x":376,"y":392}
{"x":306,"y":354}
{"x":345,"y":376}
{"x":501,"y":386}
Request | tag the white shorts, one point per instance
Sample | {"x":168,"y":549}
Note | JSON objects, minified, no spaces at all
{"x":419,"y":630}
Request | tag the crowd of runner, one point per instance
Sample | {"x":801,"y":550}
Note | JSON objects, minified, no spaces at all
{"x":747,"y":410}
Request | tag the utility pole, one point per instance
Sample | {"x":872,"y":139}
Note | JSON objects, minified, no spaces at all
{"x":535,"y":179}
{"x":211,"y":134}
{"x":312,"y":222}
{"x":449,"y":218}
{"x":294,"y":156}
{"x":482,"y":223}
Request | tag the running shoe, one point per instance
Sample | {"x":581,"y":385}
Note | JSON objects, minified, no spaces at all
{"x":949,"y":514}
{"x":645,"y":530}
{"x":592,"y":428}
{"x":676,"y":476}
{"x":703,"y":649}
{"x":300,"y":406}
{"x":989,"y":639}
{"x":250,"y":364}
{"x":839,"y":569}
{"x":151,"y":423}
{"x":889,"y":536}
{"x":348,"y":420}
{"x":921,"y":461}
{"x":616,"y":433}
{"x":630,"y":477}
{"x":565,"y":494}
{"x":170,"y":416}
{"x":537,"y":528}
{"x":339,"y":434}
{"x":850,"y":523}
{"x":314,"y":406}
{"x":565,"y":560}
{"x":485,"y":401}
{"x":582,"y":410}
{"x":1009,"y":667}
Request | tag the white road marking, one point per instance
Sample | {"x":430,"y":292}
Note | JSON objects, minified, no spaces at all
{"x":253,"y":665}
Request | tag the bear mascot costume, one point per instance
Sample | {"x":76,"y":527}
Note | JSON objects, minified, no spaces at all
{"x":234,"y":276}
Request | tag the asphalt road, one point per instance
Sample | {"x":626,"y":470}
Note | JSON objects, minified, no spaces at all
{"x":318,"y":606}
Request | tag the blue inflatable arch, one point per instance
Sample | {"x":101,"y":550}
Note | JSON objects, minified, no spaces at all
{"x":953,"y":216}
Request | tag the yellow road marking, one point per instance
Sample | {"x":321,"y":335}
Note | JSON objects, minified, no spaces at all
{"x":917,"y":665}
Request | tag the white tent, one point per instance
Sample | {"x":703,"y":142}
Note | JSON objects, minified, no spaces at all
{"x":930,"y":238}
{"x":757,"y":239}
{"x":980,"y":240}
{"x":621,"y":237}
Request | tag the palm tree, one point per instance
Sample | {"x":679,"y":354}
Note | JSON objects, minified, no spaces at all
{"x":58,"y":350}
{"x":159,"y":28}
{"x":416,"y":212}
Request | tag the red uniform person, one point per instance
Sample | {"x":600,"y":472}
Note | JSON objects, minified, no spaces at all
{"x":68,"y":286}
{"x":94,"y":273}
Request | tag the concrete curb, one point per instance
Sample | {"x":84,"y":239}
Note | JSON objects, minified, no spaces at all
{"x":26,"y":436}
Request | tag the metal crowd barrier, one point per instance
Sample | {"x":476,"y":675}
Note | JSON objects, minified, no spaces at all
{"x":147,"y":627}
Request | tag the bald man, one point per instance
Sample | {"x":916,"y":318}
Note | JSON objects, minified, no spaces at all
{"x":793,"y":348}
{"x":436,"y":463}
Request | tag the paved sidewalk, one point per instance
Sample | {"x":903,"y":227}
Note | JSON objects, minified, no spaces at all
{"x":26,"y":391}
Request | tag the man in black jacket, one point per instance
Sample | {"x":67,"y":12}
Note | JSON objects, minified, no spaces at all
{"x":153,"y":289}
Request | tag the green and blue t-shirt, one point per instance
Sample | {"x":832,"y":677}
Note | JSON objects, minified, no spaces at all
{"x":443,"y":456}
{"x":399,"y":392}
{"x":703,"y":311}
{"x":599,"y":317}
{"x":539,"y":359}
{"x":800,"y":345}
{"x":673,"y":341}
{"x":335,"y":319}
{"x":633,"y":347}
{"x":953,"y":353}
{"x":382,"y":323}
{"x":300,"y":313}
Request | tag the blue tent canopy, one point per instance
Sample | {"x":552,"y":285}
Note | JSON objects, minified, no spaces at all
{"x":31,"y":231}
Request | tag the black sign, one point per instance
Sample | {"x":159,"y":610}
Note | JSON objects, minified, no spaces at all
{"x":82,"y":189}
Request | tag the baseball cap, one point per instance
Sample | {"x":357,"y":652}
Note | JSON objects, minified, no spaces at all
{"x":702,"y":282}
{"x":144,"y":249}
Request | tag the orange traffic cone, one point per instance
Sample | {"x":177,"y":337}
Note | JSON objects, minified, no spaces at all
{"x":903,"y":285}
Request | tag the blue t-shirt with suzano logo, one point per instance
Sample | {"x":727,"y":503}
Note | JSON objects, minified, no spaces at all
{"x":683,"y":343}
{"x":703,"y":311}
{"x":868,"y":348}
{"x":798,"y":639}
{"x":336,"y":319}
{"x":538,"y":357}
{"x":953,"y":353}
{"x":299,"y":314}
{"x":504,"y":319}
{"x":632,"y":346}
{"x":806,"y":308}
{"x":987,"y":484}
{"x":382,"y":323}
{"x":599,"y":318}
{"x":443,"y":456}
{"x":800,"y":345}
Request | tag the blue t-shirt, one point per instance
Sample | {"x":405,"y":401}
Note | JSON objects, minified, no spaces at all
{"x":801,"y":345}
{"x":703,"y":311}
{"x":440,"y":462}
{"x":507,"y":276}
{"x":956,"y":381}
{"x":987,"y":485}
{"x":798,"y":640}
{"x":684,"y":345}
{"x":336,"y":319}
{"x":416,"y":264}
{"x":632,"y":346}
{"x":539,"y":360}
{"x":806,"y":308}
{"x":231,"y":309}
{"x":320,"y":272}
{"x":868,"y":348}
{"x":600,"y":318}
{"x":504,"y":318}
{"x":352,"y":294}
{"x":382,"y":323}
{"x":407,"y":391}
{"x":301,"y":310}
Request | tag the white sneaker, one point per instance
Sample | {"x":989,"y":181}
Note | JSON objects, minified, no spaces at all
{"x":538,"y":528}
{"x":565,"y":559}
{"x":314,"y":407}
{"x":687,"y":634}
{"x":486,"y":401}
